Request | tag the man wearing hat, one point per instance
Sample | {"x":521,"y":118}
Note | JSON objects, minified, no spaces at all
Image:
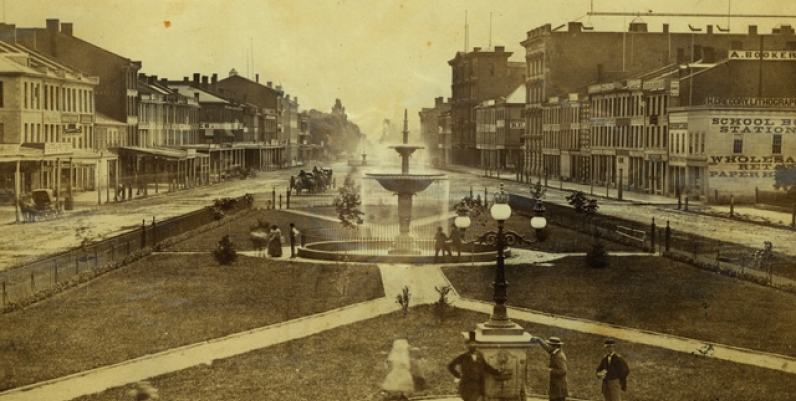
{"x":471,"y":373}
{"x":558,"y":367}
{"x":613,"y":371}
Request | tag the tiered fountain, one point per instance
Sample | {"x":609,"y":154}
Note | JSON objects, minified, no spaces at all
{"x":405,"y":185}
{"x":404,"y":247}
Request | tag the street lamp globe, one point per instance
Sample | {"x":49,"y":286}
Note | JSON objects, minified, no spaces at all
{"x":538,"y":221}
{"x":500,"y":210}
{"x":462,"y":221}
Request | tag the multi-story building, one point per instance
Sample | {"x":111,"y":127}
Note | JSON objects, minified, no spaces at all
{"x":117,"y":91}
{"x":477,"y":76}
{"x":662,"y":130}
{"x":165,"y":117}
{"x":431,"y":131}
{"x":499,"y":129}
{"x":47,"y":136}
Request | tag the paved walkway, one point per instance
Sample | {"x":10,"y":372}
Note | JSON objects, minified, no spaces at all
{"x":421,"y":279}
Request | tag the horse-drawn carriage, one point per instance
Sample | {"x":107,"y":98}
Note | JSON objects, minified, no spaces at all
{"x":319,"y":180}
{"x":40,"y":204}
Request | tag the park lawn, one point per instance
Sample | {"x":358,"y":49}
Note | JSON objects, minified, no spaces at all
{"x":651,"y":293}
{"x":166,"y":301}
{"x":350,"y":363}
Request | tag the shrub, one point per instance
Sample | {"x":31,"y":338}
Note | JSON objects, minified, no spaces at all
{"x":597,"y":257}
{"x":225,"y":252}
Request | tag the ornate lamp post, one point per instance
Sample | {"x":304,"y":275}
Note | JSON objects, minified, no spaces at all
{"x":502,"y":342}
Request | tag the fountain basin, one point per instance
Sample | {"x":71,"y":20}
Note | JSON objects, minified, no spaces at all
{"x":378,"y":251}
{"x":403,"y":183}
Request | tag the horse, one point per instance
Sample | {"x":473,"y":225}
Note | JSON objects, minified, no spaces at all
{"x":305,"y":181}
{"x":259,"y":241}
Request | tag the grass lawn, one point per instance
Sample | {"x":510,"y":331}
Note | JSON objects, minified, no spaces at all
{"x":350,"y":363}
{"x":166,"y":301}
{"x":649,"y":293}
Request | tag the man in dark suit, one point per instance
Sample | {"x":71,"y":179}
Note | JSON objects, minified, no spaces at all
{"x":613,"y":370}
{"x":471,"y":373}
{"x":558,"y":368}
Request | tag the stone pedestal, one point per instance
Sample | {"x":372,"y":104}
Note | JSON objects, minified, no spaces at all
{"x":504,"y":348}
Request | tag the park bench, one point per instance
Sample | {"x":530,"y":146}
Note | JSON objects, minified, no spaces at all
{"x":637,"y":235}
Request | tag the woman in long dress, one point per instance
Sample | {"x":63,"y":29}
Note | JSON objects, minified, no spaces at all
{"x":275,"y":242}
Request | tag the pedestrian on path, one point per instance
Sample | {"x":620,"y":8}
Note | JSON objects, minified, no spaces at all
{"x":456,"y":241}
{"x":558,"y":367}
{"x":470,"y":370}
{"x":294,"y":232}
{"x":275,"y":242}
{"x":613,"y":371}
{"x":440,"y":244}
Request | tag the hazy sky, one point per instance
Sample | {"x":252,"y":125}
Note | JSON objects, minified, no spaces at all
{"x":377,"y":56}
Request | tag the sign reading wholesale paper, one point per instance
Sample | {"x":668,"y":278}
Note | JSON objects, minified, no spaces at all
{"x":741,"y":166}
{"x":776,"y":55}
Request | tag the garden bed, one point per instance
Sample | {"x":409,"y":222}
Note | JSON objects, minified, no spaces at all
{"x":166,"y":301}
{"x":651,"y":293}
{"x":350,"y":363}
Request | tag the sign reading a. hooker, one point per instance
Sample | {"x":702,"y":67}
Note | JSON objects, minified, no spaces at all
{"x":776,"y":55}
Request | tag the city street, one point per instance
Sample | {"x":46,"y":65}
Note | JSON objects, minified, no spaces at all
{"x":30,"y":241}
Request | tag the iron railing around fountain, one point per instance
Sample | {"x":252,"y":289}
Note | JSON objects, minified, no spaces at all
{"x":371,"y":239}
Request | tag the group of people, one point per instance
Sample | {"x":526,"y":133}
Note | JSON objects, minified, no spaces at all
{"x":444,"y":243}
{"x":470,"y":370}
{"x":274,"y":245}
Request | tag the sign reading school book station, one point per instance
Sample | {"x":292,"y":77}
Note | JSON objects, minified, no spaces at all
{"x":746,"y":146}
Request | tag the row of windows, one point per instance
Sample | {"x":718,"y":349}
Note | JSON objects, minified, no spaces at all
{"x":167,"y":114}
{"x":632,"y":137}
{"x":627,"y":105}
{"x":56,"y":98}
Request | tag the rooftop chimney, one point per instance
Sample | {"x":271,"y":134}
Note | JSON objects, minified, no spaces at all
{"x":66,"y":28}
{"x":268,"y":84}
{"x":710,"y":29}
{"x":500,"y":49}
{"x":476,"y":49}
{"x":196,"y":78}
{"x":204,"y":81}
{"x":257,"y":78}
{"x":665,"y":28}
{"x":575,"y":27}
{"x":215,"y":79}
{"x":438,"y":101}
{"x":638,"y":27}
{"x":753,"y":29}
{"x":53,"y":26}
{"x":185,"y":79}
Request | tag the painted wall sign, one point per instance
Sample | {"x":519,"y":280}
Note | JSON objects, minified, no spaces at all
{"x":750,"y":101}
{"x":750,"y":125}
{"x":775,"y":55}
{"x":741,"y":166}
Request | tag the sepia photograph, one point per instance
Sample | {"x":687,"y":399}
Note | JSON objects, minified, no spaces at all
{"x":436,"y":200}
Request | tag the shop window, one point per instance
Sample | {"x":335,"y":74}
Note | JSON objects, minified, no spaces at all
{"x":776,"y":144}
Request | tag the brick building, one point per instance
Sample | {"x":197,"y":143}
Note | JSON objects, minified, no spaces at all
{"x":477,"y":76}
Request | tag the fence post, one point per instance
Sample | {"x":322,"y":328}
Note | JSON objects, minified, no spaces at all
{"x":732,"y":206}
{"x":793,"y":216}
{"x":5,"y":295}
{"x":757,"y":195}
{"x":77,"y":265}
{"x":287,"y":198}
{"x":686,"y":203}
{"x":280,"y":201}
{"x":273,"y":197}
{"x":55,"y":273}
{"x":154,"y":232}
{"x":32,"y":283}
{"x":652,"y":236}
{"x":96,"y":258}
{"x":143,"y":233}
{"x":668,"y":236}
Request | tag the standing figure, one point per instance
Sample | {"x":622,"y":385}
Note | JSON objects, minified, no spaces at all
{"x":294,"y":232}
{"x":440,"y":244}
{"x":275,"y":242}
{"x":558,"y":367}
{"x":613,"y":371}
{"x":456,"y":241}
{"x":471,"y":373}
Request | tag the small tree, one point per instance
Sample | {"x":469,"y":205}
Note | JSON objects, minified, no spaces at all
{"x":225,"y":252}
{"x":597,"y":256}
{"x":443,"y":302}
{"x":582,"y":204}
{"x":403,"y":299}
{"x":348,"y":203}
